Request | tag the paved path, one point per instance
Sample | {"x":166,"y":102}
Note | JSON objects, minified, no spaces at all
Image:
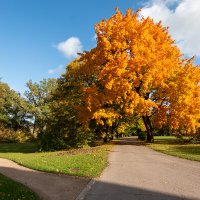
{"x":139,"y":173}
{"x":47,"y":186}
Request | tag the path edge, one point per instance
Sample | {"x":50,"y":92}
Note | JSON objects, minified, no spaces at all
{"x":87,"y":188}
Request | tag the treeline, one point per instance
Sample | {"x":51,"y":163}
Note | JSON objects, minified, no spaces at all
{"x":23,"y":116}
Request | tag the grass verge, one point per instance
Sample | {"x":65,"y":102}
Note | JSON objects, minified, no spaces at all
{"x":172,"y":146}
{"x":10,"y":190}
{"x":88,"y":162}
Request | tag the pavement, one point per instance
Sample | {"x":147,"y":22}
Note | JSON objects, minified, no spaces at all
{"x":48,"y":186}
{"x":136,"y":172}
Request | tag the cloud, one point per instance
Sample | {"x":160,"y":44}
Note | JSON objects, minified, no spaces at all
{"x":94,"y":38}
{"x":70,"y":47}
{"x":182,"y":17}
{"x":56,"y":70}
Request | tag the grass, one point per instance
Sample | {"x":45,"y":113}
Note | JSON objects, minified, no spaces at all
{"x":10,"y":190}
{"x":87,"y":162}
{"x":172,"y":146}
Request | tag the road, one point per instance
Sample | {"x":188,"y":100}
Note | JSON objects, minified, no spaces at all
{"x":138,"y":173}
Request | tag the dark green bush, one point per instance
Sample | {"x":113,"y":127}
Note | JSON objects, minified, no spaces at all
{"x":141,"y":135}
{"x":49,"y":141}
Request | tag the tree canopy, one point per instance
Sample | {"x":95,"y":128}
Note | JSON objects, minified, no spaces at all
{"x":137,"y":69}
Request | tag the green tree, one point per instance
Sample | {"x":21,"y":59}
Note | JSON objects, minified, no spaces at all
{"x":13,"y":109}
{"x":39,"y":96}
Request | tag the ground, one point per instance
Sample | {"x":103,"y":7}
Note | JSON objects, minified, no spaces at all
{"x":134,"y":170}
{"x":139,"y":172}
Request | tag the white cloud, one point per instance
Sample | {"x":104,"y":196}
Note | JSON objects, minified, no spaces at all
{"x":182,"y":17}
{"x":94,"y":38}
{"x":70,"y":47}
{"x":56,"y":70}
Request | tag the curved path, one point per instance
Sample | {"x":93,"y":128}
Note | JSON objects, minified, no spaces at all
{"x":139,"y":173}
{"x":48,"y":186}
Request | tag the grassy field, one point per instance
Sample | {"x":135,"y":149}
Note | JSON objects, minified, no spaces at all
{"x":88,"y":162}
{"x":10,"y":190}
{"x":172,"y":146}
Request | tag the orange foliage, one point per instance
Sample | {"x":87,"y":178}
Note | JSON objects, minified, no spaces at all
{"x":136,"y":69}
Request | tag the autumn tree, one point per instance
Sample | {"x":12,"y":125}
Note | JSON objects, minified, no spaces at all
{"x":137,"y":70}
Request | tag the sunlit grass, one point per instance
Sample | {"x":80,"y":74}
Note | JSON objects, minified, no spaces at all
{"x":88,"y":162}
{"x":172,"y":146}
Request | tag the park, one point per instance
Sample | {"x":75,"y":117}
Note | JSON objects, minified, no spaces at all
{"x":122,"y":121}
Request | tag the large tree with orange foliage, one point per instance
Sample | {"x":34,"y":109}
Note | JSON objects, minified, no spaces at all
{"x":136,"y":69}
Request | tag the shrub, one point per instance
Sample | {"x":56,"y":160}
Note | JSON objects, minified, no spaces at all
{"x":141,"y":135}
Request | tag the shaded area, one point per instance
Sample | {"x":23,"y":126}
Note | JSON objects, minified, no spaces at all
{"x":48,"y":186}
{"x":194,"y":149}
{"x":18,"y":148}
{"x":128,"y":141}
{"x":11,"y":190}
{"x":110,"y":191}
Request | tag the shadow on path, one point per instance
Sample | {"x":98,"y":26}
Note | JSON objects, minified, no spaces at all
{"x":110,"y":191}
{"x":48,"y":186}
{"x":55,"y":187}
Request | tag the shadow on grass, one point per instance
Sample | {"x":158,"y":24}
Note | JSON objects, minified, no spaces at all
{"x":54,"y":187}
{"x":192,"y":150}
{"x":46,"y":185}
{"x":18,"y":147}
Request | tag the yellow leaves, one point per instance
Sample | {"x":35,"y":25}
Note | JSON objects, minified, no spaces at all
{"x":107,"y":116}
{"x":133,"y":68}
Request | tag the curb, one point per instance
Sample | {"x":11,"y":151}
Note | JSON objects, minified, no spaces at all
{"x":84,"y":192}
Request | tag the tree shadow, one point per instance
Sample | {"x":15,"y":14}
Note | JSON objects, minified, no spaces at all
{"x":61,"y":187}
{"x":47,"y":186}
{"x":128,"y":141}
{"x":18,"y":147}
{"x":194,"y":149}
{"x":111,"y":191}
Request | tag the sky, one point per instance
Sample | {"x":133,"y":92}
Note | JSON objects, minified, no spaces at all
{"x":38,"y":38}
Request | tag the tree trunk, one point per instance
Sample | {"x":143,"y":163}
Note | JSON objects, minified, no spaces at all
{"x":149,"y":128}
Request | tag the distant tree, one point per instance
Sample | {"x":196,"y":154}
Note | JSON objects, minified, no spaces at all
{"x":13,"y":109}
{"x":39,"y":97}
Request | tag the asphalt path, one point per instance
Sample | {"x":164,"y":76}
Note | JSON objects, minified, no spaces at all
{"x":136,"y":172}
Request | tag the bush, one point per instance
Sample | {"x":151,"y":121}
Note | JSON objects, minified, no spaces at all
{"x":9,"y":135}
{"x":141,"y":135}
{"x":49,"y":141}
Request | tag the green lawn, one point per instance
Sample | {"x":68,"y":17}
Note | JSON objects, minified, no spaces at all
{"x":88,"y":162}
{"x":172,"y":146}
{"x":10,"y":190}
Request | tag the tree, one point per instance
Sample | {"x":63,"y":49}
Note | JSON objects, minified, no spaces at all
{"x":63,"y":129}
{"x":39,"y":96}
{"x":137,"y":70}
{"x":13,"y":109}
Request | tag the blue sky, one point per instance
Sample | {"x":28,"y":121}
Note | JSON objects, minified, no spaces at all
{"x":34,"y":34}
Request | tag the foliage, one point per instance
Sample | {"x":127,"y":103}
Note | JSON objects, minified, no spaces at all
{"x":137,"y":70}
{"x":9,"y":135}
{"x":64,"y":129}
{"x":15,"y":117}
{"x":39,"y":97}
{"x":88,"y":162}
{"x":13,"y":109}
{"x":11,"y":190}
